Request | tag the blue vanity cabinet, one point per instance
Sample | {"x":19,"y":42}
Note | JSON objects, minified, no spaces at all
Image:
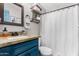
{"x":26,"y":48}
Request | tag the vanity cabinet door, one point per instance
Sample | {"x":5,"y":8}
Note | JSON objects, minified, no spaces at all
{"x":34,"y":51}
{"x":6,"y":51}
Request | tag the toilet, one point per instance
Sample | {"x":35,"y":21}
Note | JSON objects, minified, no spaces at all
{"x":45,"y":51}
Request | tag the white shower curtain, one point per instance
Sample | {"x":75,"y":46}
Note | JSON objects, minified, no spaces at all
{"x":59,"y":31}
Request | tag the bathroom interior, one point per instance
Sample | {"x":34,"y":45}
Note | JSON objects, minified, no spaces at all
{"x":39,"y":29}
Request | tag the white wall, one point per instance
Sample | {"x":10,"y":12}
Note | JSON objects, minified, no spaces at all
{"x":54,"y":6}
{"x":11,"y":28}
{"x":34,"y":28}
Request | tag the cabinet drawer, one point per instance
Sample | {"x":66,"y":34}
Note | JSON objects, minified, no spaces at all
{"x":20,"y":48}
{"x":32,"y":52}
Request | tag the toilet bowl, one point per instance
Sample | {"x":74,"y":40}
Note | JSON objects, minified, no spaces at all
{"x":45,"y":51}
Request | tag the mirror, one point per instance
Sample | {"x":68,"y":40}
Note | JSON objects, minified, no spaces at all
{"x":13,"y":14}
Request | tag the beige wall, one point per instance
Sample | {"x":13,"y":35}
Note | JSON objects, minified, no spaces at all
{"x":34,"y":28}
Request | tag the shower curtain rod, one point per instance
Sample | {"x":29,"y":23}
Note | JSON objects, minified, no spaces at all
{"x":60,"y":9}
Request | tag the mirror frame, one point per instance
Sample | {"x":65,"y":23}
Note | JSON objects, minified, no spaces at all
{"x":22,"y":16}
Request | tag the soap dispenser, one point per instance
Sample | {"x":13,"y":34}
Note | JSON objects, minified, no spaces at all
{"x":5,"y":33}
{"x":5,"y":29}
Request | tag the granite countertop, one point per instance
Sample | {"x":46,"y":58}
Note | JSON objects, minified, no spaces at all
{"x":6,"y":41}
